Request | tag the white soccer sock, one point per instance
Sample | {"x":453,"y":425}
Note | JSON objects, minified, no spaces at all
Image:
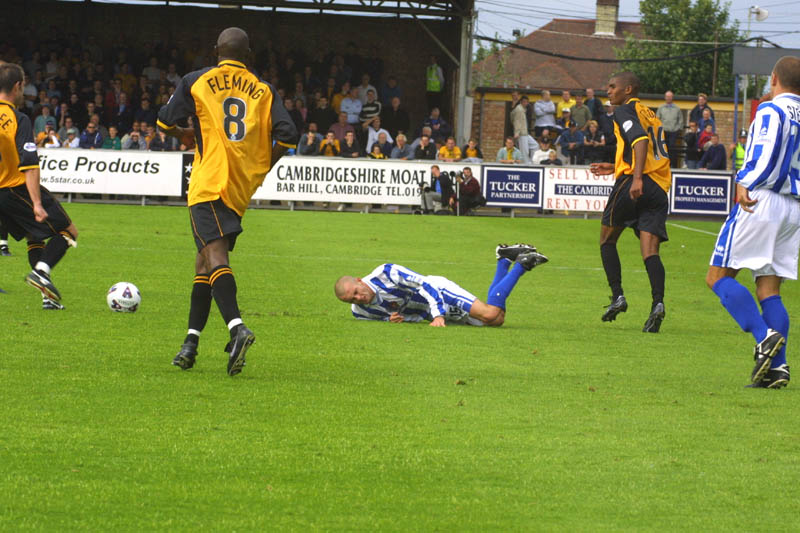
{"x":193,"y":332}
{"x":3,"y":242}
{"x":235,"y":322}
{"x":44,"y":267}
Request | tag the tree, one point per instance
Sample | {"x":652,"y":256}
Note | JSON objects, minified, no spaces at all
{"x":489,"y":67}
{"x":681,"y":20}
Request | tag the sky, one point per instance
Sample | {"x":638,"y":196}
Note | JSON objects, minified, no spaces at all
{"x":504,"y":16}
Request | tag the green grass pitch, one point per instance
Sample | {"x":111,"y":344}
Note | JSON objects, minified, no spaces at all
{"x":556,"y":421}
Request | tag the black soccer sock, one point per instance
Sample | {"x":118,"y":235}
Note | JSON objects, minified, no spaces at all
{"x":223,"y":285}
{"x":35,"y":251}
{"x":199,"y":308}
{"x":55,"y":250}
{"x":613,"y":268}
{"x":655,"y":271}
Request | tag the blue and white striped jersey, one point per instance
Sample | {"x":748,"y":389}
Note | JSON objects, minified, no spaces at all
{"x":772,"y":158}
{"x":400,"y":290}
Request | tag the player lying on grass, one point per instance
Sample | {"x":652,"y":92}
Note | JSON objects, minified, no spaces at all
{"x":396,"y":294}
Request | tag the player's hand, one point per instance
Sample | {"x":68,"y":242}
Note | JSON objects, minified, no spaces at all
{"x":743,"y":197}
{"x":636,"y":188}
{"x":601,"y":169}
{"x":438,"y":322}
{"x":39,"y":213}
{"x":396,"y":318}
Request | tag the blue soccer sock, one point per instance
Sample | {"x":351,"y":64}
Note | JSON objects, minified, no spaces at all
{"x":777,"y":318}
{"x":740,"y":304}
{"x":502,"y":289}
{"x":503,"y":265}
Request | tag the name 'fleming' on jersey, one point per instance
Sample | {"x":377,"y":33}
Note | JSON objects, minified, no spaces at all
{"x":772,"y":155}
{"x":236,"y":116}
{"x":17,"y":149}
{"x":634,"y":122}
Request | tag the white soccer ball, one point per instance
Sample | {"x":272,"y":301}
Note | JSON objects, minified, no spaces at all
{"x":124,"y":297}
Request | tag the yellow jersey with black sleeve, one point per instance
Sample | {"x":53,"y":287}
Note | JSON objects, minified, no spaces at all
{"x":17,"y":149}
{"x":634,"y":122}
{"x":237,"y":117}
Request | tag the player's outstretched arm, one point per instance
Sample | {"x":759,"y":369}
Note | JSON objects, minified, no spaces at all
{"x":601,"y":169}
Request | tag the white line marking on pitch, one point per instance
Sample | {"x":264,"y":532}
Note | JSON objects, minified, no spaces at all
{"x":692,"y":229}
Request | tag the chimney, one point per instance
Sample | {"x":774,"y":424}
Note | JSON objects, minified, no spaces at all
{"x":606,"y":23}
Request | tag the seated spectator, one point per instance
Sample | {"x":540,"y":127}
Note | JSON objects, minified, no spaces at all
{"x":389,"y":91}
{"x":374,"y":129}
{"x":440,"y":192}
{"x":565,"y":121}
{"x":571,"y":141}
{"x":350,"y":147}
{"x":704,"y":140}
{"x":365,"y":88}
{"x":440,"y":129}
{"x":707,"y":119}
{"x":402,"y":150}
{"x":95,"y":119}
{"x":62,"y":131}
{"x":45,"y":118}
{"x":425,"y":131}
{"x":145,"y":112}
{"x":336,"y":102}
{"x":385,"y":145}
{"x":449,"y":152}
{"x":509,"y":154}
{"x":472,"y":152}
{"x":134,"y":141}
{"x":122,"y":115}
{"x":426,"y":149}
{"x":469,"y":193}
{"x":322,"y":115}
{"x":112,"y":142}
{"x":295,"y":115}
{"x":149,"y":132}
{"x":309,"y":141}
{"x":72,"y":139}
{"x":161,"y":142}
{"x":151,"y":71}
{"x":91,"y":138}
{"x":395,"y":118}
{"x":172,"y":75}
{"x":352,"y":106}
{"x":341,"y":127}
{"x":48,"y":138}
{"x":543,"y":153}
{"x":552,"y":159}
{"x":329,"y":147}
{"x":369,"y":109}
{"x":593,"y":144}
{"x":715,"y":157}
{"x":376,"y":152}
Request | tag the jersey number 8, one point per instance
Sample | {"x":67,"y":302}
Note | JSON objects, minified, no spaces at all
{"x":234,"y":110}
{"x":659,"y":142}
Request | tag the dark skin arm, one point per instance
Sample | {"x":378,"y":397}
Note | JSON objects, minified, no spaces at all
{"x":639,"y":157}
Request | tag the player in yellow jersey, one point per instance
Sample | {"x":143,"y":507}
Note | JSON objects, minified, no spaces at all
{"x":639,"y":197}
{"x":27,"y":210}
{"x":241,"y":129}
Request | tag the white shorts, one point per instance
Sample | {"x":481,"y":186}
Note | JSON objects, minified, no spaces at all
{"x":765,"y":241}
{"x":457,"y":301}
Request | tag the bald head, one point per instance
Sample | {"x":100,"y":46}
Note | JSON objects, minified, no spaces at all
{"x":233,"y":43}
{"x":343,"y":287}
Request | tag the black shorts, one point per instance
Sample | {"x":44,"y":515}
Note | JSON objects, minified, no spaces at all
{"x":648,"y":213}
{"x":214,"y":220}
{"x":16,"y":212}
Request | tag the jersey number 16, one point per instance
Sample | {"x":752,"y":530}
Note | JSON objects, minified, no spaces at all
{"x":659,"y":142}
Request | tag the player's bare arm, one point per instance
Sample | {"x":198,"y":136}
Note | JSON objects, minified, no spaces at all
{"x":601,"y":169}
{"x":639,"y":158}
{"x":32,"y":184}
{"x":278,"y":151}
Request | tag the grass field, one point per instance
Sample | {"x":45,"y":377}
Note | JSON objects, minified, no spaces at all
{"x":556,"y":421}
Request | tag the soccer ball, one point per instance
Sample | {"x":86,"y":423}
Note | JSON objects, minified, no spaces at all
{"x":123,"y":297}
